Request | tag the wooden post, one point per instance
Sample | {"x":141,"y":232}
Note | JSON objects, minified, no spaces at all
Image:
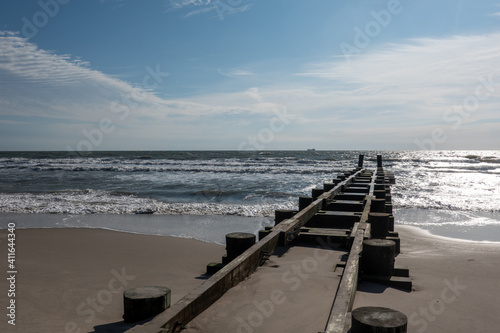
{"x":360,"y":161}
{"x":304,"y":202}
{"x":371,"y":319}
{"x":379,"y":161}
{"x":379,"y":194}
{"x":391,"y":221}
{"x":237,"y":243}
{"x":316,"y":192}
{"x":281,"y":214}
{"x":379,"y":224}
{"x":378,"y":257}
{"x":144,"y":302}
{"x":328,"y":186}
{"x":377,"y":206}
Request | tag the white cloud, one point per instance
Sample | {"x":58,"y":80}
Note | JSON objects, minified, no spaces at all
{"x":400,"y":90}
{"x":222,"y":8}
{"x":37,"y":82}
{"x":57,"y":93}
{"x":427,"y":76}
{"x":236,"y":72}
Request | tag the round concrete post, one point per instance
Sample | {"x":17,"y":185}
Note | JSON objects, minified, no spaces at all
{"x":378,"y":257}
{"x":237,"y":243}
{"x":144,"y":302}
{"x":371,"y":319}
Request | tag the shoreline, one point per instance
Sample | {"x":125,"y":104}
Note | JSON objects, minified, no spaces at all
{"x":207,"y":228}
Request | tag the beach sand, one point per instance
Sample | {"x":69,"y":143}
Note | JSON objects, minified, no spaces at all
{"x":456,"y":284}
{"x":74,"y":278}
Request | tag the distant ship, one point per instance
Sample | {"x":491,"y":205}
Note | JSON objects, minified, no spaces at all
{"x":311,"y":150}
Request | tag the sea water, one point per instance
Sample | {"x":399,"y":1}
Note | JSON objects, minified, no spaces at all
{"x":450,"y":193}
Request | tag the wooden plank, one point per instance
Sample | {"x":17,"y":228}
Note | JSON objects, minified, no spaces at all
{"x":347,"y":289}
{"x":339,"y":319}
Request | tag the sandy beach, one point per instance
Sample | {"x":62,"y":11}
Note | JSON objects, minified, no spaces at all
{"x":71,"y":280}
{"x":456,"y":285}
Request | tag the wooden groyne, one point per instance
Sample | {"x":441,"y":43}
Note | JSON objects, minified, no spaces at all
{"x":351,"y":214}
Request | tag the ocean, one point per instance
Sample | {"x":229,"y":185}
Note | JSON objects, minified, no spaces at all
{"x":449,"y":193}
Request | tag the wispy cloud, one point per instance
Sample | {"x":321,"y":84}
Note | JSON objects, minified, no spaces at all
{"x":426,"y":75}
{"x":43,"y":89}
{"x":236,"y":72}
{"x":221,"y":7}
{"x":400,"y":90}
{"x":66,"y":86}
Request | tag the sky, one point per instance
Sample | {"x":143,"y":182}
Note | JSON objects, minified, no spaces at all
{"x":90,"y":75}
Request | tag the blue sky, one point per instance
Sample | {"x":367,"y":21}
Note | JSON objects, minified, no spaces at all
{"x":249,"y":74}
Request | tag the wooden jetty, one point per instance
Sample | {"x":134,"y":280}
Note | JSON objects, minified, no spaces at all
{"x":350,"y":221}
